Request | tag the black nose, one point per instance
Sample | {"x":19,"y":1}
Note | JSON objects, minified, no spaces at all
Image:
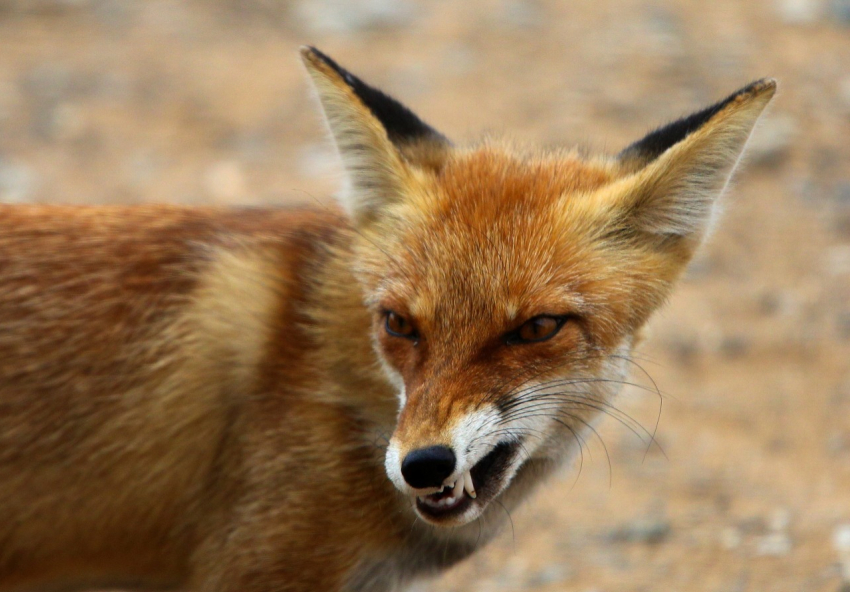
{"x":428,"y":467}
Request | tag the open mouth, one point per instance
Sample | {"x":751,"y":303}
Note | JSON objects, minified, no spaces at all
{"x":477,"y":486}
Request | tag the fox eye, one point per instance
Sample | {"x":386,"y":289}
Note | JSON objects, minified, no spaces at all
{"x":398,"y":326}
{"x":540,"y":328}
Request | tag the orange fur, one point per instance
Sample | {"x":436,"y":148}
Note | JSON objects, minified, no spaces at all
{"x":207,"y":399}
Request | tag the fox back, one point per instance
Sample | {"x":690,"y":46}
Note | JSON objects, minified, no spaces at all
{"x":322,"y":399}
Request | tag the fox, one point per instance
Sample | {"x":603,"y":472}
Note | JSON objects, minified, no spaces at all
{"x":347,"y":397}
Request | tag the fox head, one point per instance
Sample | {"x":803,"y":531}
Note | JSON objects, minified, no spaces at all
{"x":507,"y":287}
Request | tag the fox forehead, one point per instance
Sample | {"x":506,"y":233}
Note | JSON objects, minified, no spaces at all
{"x":501,"y":234}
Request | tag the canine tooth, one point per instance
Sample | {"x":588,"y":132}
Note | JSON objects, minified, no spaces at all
{"x":457,"y":488}
{"x":467,"y":484}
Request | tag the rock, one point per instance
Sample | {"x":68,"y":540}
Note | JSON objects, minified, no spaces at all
{"x":17,"y":182}
{"x":348,"y":16}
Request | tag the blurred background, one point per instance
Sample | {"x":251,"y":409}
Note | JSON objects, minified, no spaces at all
{"x":205,"y":102}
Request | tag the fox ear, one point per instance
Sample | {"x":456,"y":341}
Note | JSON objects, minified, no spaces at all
{"x":377,"y":137}
{"x":673,"y":176}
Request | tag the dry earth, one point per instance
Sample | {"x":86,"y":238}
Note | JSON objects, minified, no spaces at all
{"x":198,"y":102}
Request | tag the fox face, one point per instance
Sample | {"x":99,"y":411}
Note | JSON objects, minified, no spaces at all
{"x":508,"y":287}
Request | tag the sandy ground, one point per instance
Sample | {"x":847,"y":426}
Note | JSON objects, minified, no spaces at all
{"x":205,"y":102}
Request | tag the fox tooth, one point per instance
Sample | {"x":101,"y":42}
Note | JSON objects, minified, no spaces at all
{"x":467,"y":484}
{"x":457,"y":488}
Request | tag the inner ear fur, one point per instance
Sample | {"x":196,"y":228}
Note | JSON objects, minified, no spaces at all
{"x":673,"y":177}
{"x":381,"y":142}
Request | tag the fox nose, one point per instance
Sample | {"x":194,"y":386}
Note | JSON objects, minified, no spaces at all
{"x":428,"y":467}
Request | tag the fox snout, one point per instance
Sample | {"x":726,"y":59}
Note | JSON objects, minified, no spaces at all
{"x":424,"y":452}
{"x":440,"y":455}
{"x":426,"y":468}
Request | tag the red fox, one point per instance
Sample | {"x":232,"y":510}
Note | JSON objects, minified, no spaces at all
{"x":249,"y":400}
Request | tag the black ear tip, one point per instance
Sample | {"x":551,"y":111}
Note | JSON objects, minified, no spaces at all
{"x":309,"y":52}
{"x":400,"y":123}
{"x":761,"y":86}
{"x":658,"y":141}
